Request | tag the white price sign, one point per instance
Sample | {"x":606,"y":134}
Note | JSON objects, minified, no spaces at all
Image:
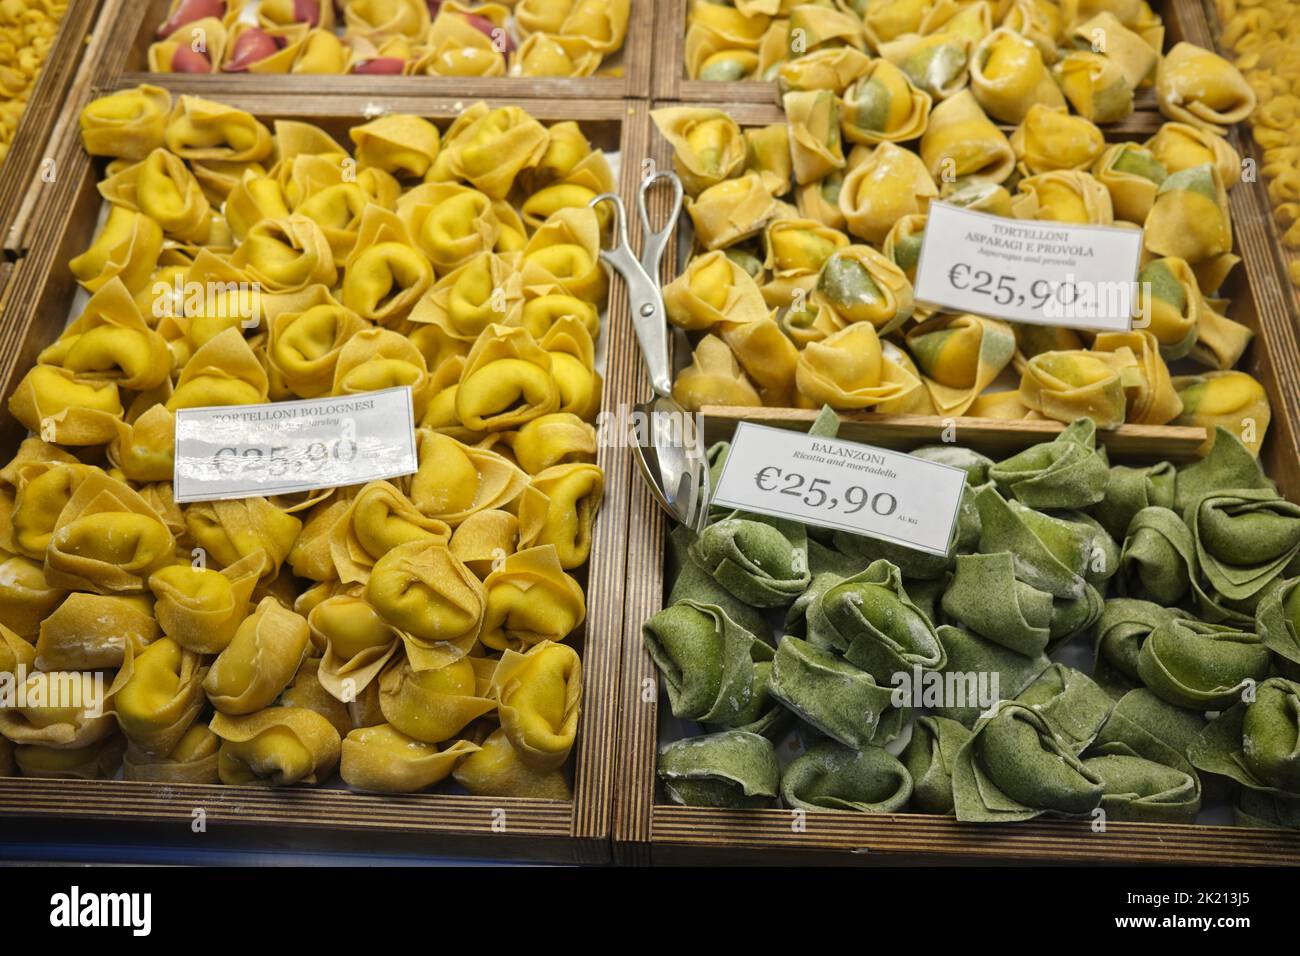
{"x":243,"y":451}
{"x":1028,"y":270}
{"x":843,"y":485}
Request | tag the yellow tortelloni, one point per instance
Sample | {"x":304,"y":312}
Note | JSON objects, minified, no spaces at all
{"x":1180,"y":146}
{"x":1189,"y":218}
{"x":767,"y":355}
{"x":555,"y":439}
{"x":357,"y":644}
{"x":1150,"y":397}
{"x":44,"y":490}
{"x":1008,"y":77}
{"x":276,"y":747}
{"x":1131,"y":174}
{"x":260,"y":660}
{"x":384,"y":760}
{"x":733,"y":210}
{"x":581,"y":184}
{"x":1134,"y":57}
{"x":483,"y":540}
{"x":451,"y":223}
{"x":144,"y":449}
{"x":883,"y":106}
{"x":375,"y":359}
{"x":26,"y":598}
{"x":491,"y":148}
{"x":286,"y":255}
{"x":378,"y":519}
{"x":229,"y":531}
{"x":200,"y":129}
{"x":507,"y":381}
{"x":961,"y":143}
{"x":126,"y":248}
{"x":563,"y":256}
{"x":708,"y":145}
{"x":63,"y":710}
{"x":714,"y":377}
{"x":487,"y":289}
{"x":92,"y":632}
{"x":429,"y":595}
{"x":15,"y":652}
{"x":128,"y":124}
{"x":1197,"y":86}
{"x":573,"y":367}
{"x":322,"y":53}
{"x":338,"y":210}
{"x":559,"y":509}
{"x":162,"y":187}
{"x":539,"y":694}
{"x":1171,"y":305}
{"x":849,"y":370}
{"x":224,"y":371}
{"x":381,"y":19}
{"x":712,"y":32}
{"x":1063,"y":195}
{"x":1049,"y":139}
{"x":881,"y":187}
{"x":767,"y":152}
{"x":816,"y":145}
{"x":548,"y":55}
{"x":938,"y":63}
{"x":1231,"y":399}
{"x":399,"y":143}
{"x":860,"y":284}
{"x":159,"y":695}
{"x":96,"y":761}
{"x":56,"y":404}
{"x":713,"y":288}
{"x":201,"y":608}
{"x":110,"y":341}
{"x":307,"y":335}
{"x":830,"y":68}
{"x":1069,"y":385}
{"x":386,"y":274}
{"x":530,"y":599}
{"x":1095,"y":86}
{"x":495,"y":769}
{"x":107,"y":540}
{"x":455,"y":481}
{"x":960,"y":357}
{"x":433,"y":706}
{"x":192,"y":760}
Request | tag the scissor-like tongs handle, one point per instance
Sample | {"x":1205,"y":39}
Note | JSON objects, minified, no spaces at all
{"x":649,"y":317}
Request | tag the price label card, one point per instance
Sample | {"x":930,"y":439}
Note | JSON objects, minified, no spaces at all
{"x":243,"y":451}
{"x":1027,"y":270}
{"x":843,"y":485}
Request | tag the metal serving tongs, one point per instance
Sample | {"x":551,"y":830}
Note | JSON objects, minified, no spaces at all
{"x":669,"y":447}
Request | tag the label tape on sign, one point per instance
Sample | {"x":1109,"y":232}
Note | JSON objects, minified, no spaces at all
{"x":243,"y":451}
{"x":1029,"y":270}
{"x":843,"y":485}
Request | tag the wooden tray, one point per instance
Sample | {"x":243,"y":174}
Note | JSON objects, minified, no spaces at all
{"x":672,"y":83}
{"x":446,"y":824}
{"x":135,"y":31}
{"x":648,"y":830}
{"x":22,"y":174}
{"x":1210,"y":28}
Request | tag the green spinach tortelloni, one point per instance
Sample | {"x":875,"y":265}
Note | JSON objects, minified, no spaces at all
{"x":734,"y":768}
{"x":1254,"y":743}
{"x":715,"y":671}
{"x":1014,"y":767}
